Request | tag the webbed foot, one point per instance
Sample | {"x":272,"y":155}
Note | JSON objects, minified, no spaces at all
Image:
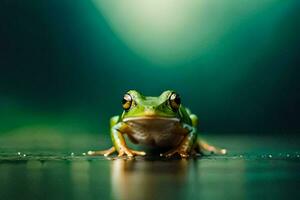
{"x":129,"y":152}
{"x":180,"y":151}
{"x":122,"y":151}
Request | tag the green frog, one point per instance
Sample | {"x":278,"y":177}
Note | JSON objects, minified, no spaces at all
{"x":160,"y":122}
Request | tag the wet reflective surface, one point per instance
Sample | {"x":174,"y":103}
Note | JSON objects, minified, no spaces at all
{"x":268,"y":168}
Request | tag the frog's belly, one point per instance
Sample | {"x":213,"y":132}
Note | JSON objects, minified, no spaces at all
{"x":160,"y":132}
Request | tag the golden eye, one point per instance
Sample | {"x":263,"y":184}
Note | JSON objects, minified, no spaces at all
{"x":126,"y":101}
{"x":174,"y":101}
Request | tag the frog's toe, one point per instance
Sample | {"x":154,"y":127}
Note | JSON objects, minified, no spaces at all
{"x":102,"y":153}
{"x":139,"y":153}
{"x":130,"y":152}
{"x":125,"y":151}
{"x":121,"y":153}
{"x":205,"y":147}
{"x":184,"y":154}
{"x":223,"y":151}
{"x":173,"y":152}
{"x":168,"y":154}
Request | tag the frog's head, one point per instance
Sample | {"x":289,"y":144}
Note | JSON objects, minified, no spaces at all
{"x":167,"y":105}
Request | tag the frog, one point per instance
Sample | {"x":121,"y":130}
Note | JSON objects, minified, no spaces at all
{"x":160,"y":122}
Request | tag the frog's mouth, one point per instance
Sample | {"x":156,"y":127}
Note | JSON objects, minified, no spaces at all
{"x":151,"y":118}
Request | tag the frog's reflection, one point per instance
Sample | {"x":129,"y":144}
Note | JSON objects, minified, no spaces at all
{"x":142,"y":179}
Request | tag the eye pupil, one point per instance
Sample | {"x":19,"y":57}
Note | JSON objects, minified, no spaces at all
{"x":177,"y":99}
{"x":126,"y":101}
{"x":174,"y":101}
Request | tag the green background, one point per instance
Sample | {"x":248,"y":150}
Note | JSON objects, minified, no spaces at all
{"x":63,"y":64}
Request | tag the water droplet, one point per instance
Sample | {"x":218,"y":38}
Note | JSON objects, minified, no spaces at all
{"x":298,"y":156}
{"x":83,"y":154}
{"x":241,"y":156}
{"x":270,"y":156}
{"x":24,"y":155}
{"x":72,"y":154}
{"x":19,"y":153}
{"x":287,"y":155}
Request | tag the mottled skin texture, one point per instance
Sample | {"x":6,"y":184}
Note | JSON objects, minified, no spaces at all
{"x":161,"y":122}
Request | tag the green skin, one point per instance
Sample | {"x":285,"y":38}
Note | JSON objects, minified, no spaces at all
{"x":176,"y":129}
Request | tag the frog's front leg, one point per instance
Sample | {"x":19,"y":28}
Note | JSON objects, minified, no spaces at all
{"x":185,"y":148}
{"x":116,"y":131}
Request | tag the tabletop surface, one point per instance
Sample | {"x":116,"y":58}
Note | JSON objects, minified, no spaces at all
{"x":56,"y":167}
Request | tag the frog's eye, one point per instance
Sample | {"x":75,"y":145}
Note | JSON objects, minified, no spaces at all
{"x":126,"y":101}
{"x":174,"y":101}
